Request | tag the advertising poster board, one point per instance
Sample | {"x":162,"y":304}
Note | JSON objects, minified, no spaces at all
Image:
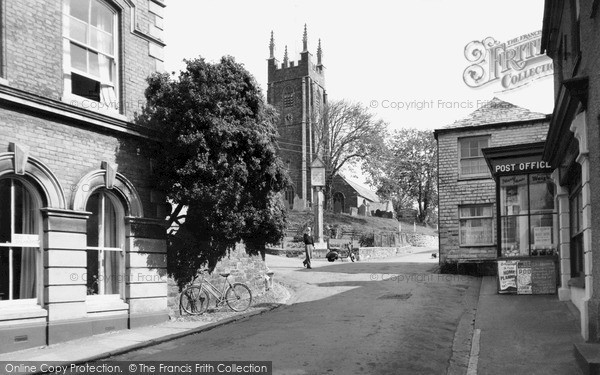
{"x":527,"y":276}
{"x":507,"y":276}
{"x":524,"y":277}
{"x":543,"y":276}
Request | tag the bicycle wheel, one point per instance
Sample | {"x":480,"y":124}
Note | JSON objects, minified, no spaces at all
{"x":238,"y":297}
{"x":194,"y":300}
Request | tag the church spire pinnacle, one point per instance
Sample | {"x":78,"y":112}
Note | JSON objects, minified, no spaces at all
{"x":305,"y":40}
{"x":285,"y":58}
{"x":272,"y":46}
{"x":319,"y":53}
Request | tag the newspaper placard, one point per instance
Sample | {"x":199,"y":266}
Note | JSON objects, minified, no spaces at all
{"x":507,"y":276}
{"x":542,"y":236}
{"x":524,"y":277}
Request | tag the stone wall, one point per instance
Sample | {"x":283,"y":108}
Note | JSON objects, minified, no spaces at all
{"x":422,"y":240}
{"x":368,"y":253}
{"x":242,"y":267}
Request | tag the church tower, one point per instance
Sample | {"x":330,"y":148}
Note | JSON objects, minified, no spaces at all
{"x":297,"y":91}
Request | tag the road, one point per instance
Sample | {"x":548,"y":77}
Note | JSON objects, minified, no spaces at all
{"x":393,"y":316}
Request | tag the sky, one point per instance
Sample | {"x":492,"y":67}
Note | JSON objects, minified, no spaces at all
{"x":384,"y":54}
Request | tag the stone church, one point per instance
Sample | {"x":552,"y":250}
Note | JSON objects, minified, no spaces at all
{"x":297,"y":90}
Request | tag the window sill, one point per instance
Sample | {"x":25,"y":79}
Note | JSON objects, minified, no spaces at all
{"x":21,"y":309}
{"x":479,"y":245}
{"x":94,"y":106}
{"x":577,"y":282}
{"x":111,"y":302}
{"x":475,"y":177}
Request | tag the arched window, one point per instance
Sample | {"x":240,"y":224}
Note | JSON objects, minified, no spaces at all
{"x":20,"y":221}
{"x":105,"y":241}
{"x":91,"y":52}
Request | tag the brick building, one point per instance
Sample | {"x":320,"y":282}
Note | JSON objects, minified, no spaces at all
{"x":570,"y":37}
{"x":82,"y":248}
{"x":297,"y":91}
{"x":469,"y":216}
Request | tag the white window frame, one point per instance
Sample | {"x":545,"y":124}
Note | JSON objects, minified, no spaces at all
{"x":462,"y":175}
{"x":483,"y":217}
{"x":112,"y":108}
{"x":10,"y":245}
{"x":99,"y":301}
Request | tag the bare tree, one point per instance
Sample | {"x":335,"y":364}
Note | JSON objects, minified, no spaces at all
{"x":346,"y":133}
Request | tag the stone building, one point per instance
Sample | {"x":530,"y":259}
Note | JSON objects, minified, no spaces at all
{"x":82,"y":247}
{"x":570,"y":37}
{"x":297,"y":91}
{"x":348,"y":195}
{"x":469,"y":216}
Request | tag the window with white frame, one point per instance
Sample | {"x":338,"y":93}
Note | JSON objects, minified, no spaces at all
{"x":476,"y":225}
{"x":19,"y":239}
{"x":471,"y":160}
{"x":90,"y":52}
{"x":105,"y":268}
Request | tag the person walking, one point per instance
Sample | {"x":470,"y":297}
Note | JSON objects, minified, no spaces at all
{"x":309,"y":245}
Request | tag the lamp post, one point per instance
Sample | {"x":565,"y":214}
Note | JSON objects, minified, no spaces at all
{"x":317,"y":181}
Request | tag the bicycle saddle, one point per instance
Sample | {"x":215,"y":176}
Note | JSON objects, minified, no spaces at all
{"x":225,"y":274}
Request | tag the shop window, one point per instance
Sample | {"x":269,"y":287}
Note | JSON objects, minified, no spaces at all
{"x":90,"y":52}
{"x":104,"y":244}
{"x":476,"y":225}
{"x":527,"y":215}
{"x":19,"y":239}
{"x":471,"y":161}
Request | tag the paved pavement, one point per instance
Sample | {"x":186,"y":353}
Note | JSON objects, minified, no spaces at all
{"x":523,"y":334}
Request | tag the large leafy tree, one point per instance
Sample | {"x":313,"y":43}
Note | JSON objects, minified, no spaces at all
{"x":217,"y":162}
{"x":347,"y":134}
{"x":405,"y":170}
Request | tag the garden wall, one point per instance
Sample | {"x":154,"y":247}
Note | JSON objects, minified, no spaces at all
{"x":242,"y":268}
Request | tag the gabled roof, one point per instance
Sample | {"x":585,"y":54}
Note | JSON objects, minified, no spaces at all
{"x":496,"y":111}
{"x":363,"y":191}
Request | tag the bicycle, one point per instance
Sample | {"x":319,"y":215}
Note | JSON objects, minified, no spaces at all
{"x":195,"y":299}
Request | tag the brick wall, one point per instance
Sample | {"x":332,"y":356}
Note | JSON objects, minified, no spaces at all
{"x":33,"y":57}
{"x":454,"y":191}
{"x":34,"y":46}
{"x":70,"y":143}
{"x":590,"y":65}
{"x":71,"y":152}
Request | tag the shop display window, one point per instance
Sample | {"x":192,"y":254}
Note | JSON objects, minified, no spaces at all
{"x":527,"y":215}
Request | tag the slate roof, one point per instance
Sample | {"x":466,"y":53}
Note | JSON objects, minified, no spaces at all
{"x":363,"y":191}
{"x":496,"y":111}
